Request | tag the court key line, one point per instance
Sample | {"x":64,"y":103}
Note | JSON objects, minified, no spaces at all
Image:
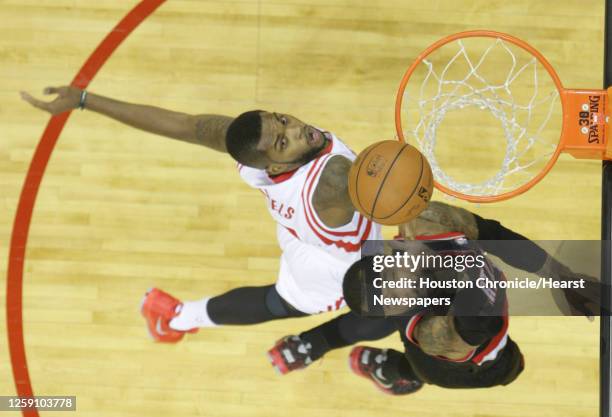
{"x":25,"y":206}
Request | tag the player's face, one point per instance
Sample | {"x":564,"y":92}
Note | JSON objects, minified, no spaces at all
{"x":288,"y":142}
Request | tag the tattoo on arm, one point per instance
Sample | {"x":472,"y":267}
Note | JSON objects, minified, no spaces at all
{"x":210,"y":130}
{"x":438,"y":218}
{"x":331,"y":199}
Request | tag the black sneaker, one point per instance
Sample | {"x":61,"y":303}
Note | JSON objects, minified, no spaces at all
{"x":368,"y":362}
{"x":290,"y":353}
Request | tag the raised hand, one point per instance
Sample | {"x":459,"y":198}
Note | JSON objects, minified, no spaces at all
{"x":67,"y":99}
{"x":581,"y":301}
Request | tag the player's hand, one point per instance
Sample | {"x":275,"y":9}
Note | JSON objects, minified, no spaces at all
{"x":581,"y":301}
{"x":573,"y":301}
{"x":67,"y":98}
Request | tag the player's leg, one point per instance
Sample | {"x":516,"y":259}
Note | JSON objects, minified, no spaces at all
{"x":298,"y":351}
{"x":346,"y":330}
{"x":169,"y":319}
{"x":240,"y":306}
{"x":311,"y":280}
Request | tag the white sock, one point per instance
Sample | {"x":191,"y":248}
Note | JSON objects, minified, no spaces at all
{"x":192,"y":314}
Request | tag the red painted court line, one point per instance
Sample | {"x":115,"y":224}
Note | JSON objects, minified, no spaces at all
{"x":25,"y":207}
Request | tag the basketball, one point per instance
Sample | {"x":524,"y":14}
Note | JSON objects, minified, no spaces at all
{"x":390,"y":182}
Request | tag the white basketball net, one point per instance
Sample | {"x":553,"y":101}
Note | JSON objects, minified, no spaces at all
{"x":443,"y":91}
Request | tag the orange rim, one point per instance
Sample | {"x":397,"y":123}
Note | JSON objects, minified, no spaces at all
{"x":487,"y":34}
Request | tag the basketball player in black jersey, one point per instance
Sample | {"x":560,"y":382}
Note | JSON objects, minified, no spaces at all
{"x":298,"y":351}
{"x":464,"y":345}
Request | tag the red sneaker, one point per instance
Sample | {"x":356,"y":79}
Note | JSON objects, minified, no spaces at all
{"x":289,"y":354}
{"x":367,"y":362}
{"x":158,"y":308}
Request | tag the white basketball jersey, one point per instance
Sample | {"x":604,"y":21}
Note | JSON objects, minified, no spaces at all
{"x":289,"y":199}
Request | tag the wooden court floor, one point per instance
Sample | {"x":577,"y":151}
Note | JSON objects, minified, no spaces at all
{"x":120,"y":211}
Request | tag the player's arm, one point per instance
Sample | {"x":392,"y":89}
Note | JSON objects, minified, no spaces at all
{"x":331,"y":199}
{"x":441,"y":218}
{"x":207,"y":129}
{"x":513,"y":248}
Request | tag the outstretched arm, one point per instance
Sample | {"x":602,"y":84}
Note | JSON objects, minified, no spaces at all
{"x":206,"y":129}
{"x":513,"y":248}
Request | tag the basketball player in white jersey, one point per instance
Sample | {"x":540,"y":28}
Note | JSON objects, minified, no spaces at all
{"x":302,"y":172}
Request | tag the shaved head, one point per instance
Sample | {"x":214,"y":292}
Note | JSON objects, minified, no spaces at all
{"x":242,"y":140}
{"x":275,"y":142}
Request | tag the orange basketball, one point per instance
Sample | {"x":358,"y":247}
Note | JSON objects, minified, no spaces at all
{"x":390,"y":182}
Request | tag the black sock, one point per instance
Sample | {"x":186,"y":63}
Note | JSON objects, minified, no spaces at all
{"x":250,"y":305}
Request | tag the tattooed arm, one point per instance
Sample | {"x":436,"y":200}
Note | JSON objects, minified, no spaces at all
{"x":331,"y":200}
{"x":206,"y":129}
{"x":513,"y":248}
{"x":441,"y":218}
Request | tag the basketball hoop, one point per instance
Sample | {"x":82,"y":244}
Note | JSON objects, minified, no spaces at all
{"x":467,"y":87}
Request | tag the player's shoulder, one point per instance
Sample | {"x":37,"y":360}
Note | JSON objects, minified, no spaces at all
{"x":339,"y":147}
{"x":330,"y":198}
{"x":334,"y":177}
{"x":334,"y":165}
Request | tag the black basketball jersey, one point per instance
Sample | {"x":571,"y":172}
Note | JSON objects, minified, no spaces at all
{"x":480,"y":311}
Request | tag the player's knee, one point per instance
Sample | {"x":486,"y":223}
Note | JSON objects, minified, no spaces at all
{"x":278,"y":307}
